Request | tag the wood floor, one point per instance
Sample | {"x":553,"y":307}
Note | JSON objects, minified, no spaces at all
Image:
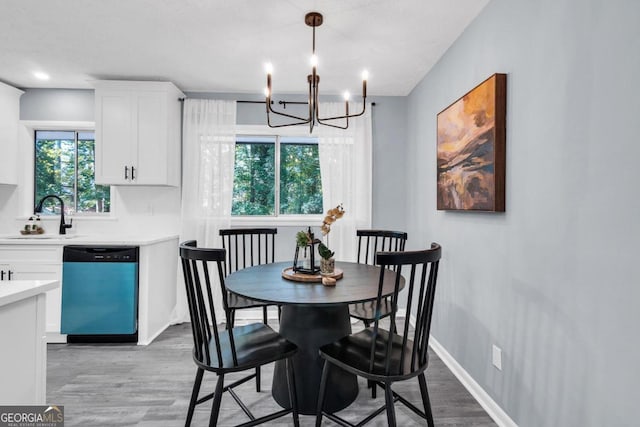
{"x":129,"y":385}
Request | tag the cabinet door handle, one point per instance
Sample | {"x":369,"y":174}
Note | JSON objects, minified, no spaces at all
{"x":126,"y":172}
{"x":9,"y":274}
{"x":133,"y":173}
{"x":2,"y":275}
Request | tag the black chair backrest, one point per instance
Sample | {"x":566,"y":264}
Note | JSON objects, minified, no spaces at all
{"x":195,"y":266}
{"x":247,"y":247}
{"x":372,"y":241}
{"x":420,"y":284}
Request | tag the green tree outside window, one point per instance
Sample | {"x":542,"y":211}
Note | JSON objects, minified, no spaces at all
{"x":65,"y":166}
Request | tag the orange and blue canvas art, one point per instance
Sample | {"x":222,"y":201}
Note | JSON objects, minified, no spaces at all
{"x":471,"y":149}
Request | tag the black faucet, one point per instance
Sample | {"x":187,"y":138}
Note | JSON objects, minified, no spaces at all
{"x":63,"y":226}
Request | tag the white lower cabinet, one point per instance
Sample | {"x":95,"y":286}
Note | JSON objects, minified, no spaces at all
{"x":28,"y":262}
{"x":23,"y":359}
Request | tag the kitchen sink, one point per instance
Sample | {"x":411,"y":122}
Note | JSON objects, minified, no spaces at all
{"x":42,"y":237}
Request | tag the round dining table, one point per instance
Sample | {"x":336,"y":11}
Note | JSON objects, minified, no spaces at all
{"x":312,"y":315}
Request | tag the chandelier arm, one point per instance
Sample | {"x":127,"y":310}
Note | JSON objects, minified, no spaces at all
{"x":346,"y":126}
{"x":284,"y":125}
{"x":302,"y":119}
{"x":346,"y":116}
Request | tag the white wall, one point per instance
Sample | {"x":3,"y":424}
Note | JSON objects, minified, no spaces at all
{"x":553,"y":280}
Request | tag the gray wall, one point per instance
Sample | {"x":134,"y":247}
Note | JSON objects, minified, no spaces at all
{"x":552,"y":281}
{"x":57,"y":105}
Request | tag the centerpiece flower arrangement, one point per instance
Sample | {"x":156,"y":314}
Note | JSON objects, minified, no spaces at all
{"x":327,"y":263}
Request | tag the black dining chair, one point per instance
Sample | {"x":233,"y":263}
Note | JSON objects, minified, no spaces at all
{"x":229,"y":350}
{"x":385,"y":356}
{"x":247,"y":247}
{"x":369,"y":243}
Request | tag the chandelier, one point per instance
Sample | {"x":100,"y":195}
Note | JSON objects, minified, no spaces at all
{"x":313,"y":19}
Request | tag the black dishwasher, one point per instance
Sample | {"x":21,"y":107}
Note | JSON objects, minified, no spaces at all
{"x":100,"y":293}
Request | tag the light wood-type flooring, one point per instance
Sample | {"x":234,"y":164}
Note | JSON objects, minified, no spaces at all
{"x":129,"y":385}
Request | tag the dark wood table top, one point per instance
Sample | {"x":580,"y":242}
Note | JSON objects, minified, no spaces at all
{"x":265,"y":283}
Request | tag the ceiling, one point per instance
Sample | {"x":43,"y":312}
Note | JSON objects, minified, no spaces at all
{"x":221,"y":46}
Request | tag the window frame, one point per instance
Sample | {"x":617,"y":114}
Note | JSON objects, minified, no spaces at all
{"x":276,"y":219}
{"x":27,"y":152}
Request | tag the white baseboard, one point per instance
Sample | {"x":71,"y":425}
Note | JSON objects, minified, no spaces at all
{"x":482,"y":397}
{"x":493,"y":409}
{"x":56,"y":338}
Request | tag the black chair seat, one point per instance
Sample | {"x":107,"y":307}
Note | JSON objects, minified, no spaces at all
{"x":366,"y":311}
{"x":352,"y":353}
{"x":256,"y":344}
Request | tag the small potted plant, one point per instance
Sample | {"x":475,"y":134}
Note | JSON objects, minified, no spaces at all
{"x":327,"y":263}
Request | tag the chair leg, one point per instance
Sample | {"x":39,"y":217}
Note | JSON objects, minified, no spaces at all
{"x":264,"y":314}
{"x":279,"y":313}
{"x":217,"y":398}
{"x":194,"y":396}
{"x":372,"y":386}
{"x":258,"y":379}
{"x":323,"y":386}
{"x":291,"y":387}
{"x":425,"y":399}
{"x":391,"y":412}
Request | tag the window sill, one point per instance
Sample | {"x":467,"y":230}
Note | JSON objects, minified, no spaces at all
{"x":254,"y":221}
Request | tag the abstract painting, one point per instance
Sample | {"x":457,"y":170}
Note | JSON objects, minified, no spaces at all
{"x":471,"y":149}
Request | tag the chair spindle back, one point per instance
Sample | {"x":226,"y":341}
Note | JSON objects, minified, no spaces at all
{"x":371,"y":242}
{"x":195,"y":266}
{"x":420,"y":284}
{"x":247,"y":247}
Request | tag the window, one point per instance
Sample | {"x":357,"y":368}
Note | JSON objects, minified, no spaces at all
{"x":65,"y":166}
{"x":276,"y":175}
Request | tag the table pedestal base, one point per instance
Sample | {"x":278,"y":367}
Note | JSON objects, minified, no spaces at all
{"x":310,"y":328}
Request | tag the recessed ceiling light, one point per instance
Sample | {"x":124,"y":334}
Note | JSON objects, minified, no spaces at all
{"x":40,"y":75}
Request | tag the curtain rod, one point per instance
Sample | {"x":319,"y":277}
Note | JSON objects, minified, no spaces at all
{"x":283,"y":103}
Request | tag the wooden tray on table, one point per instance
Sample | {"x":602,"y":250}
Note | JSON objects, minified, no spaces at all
{"x":289,"y":274}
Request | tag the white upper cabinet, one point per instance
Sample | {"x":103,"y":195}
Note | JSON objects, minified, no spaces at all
{"x":9,"y":119}
{"x":137,"y":133}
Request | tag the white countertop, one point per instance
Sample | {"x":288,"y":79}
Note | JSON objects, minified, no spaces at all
{"x":71,"y":239}
{"x":16,"y":290}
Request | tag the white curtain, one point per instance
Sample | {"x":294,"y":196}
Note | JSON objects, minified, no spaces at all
{"x":345,"y":169}
{"x":207,"y":181}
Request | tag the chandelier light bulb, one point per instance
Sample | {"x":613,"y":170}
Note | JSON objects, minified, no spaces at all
{"x":365,"y":75}
{"x":268,"y":68}
{"x":346,"y":95}
{"x":314,"y":60}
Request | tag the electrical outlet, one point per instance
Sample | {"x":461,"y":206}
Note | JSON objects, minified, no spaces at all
{"x":496,"y":357}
